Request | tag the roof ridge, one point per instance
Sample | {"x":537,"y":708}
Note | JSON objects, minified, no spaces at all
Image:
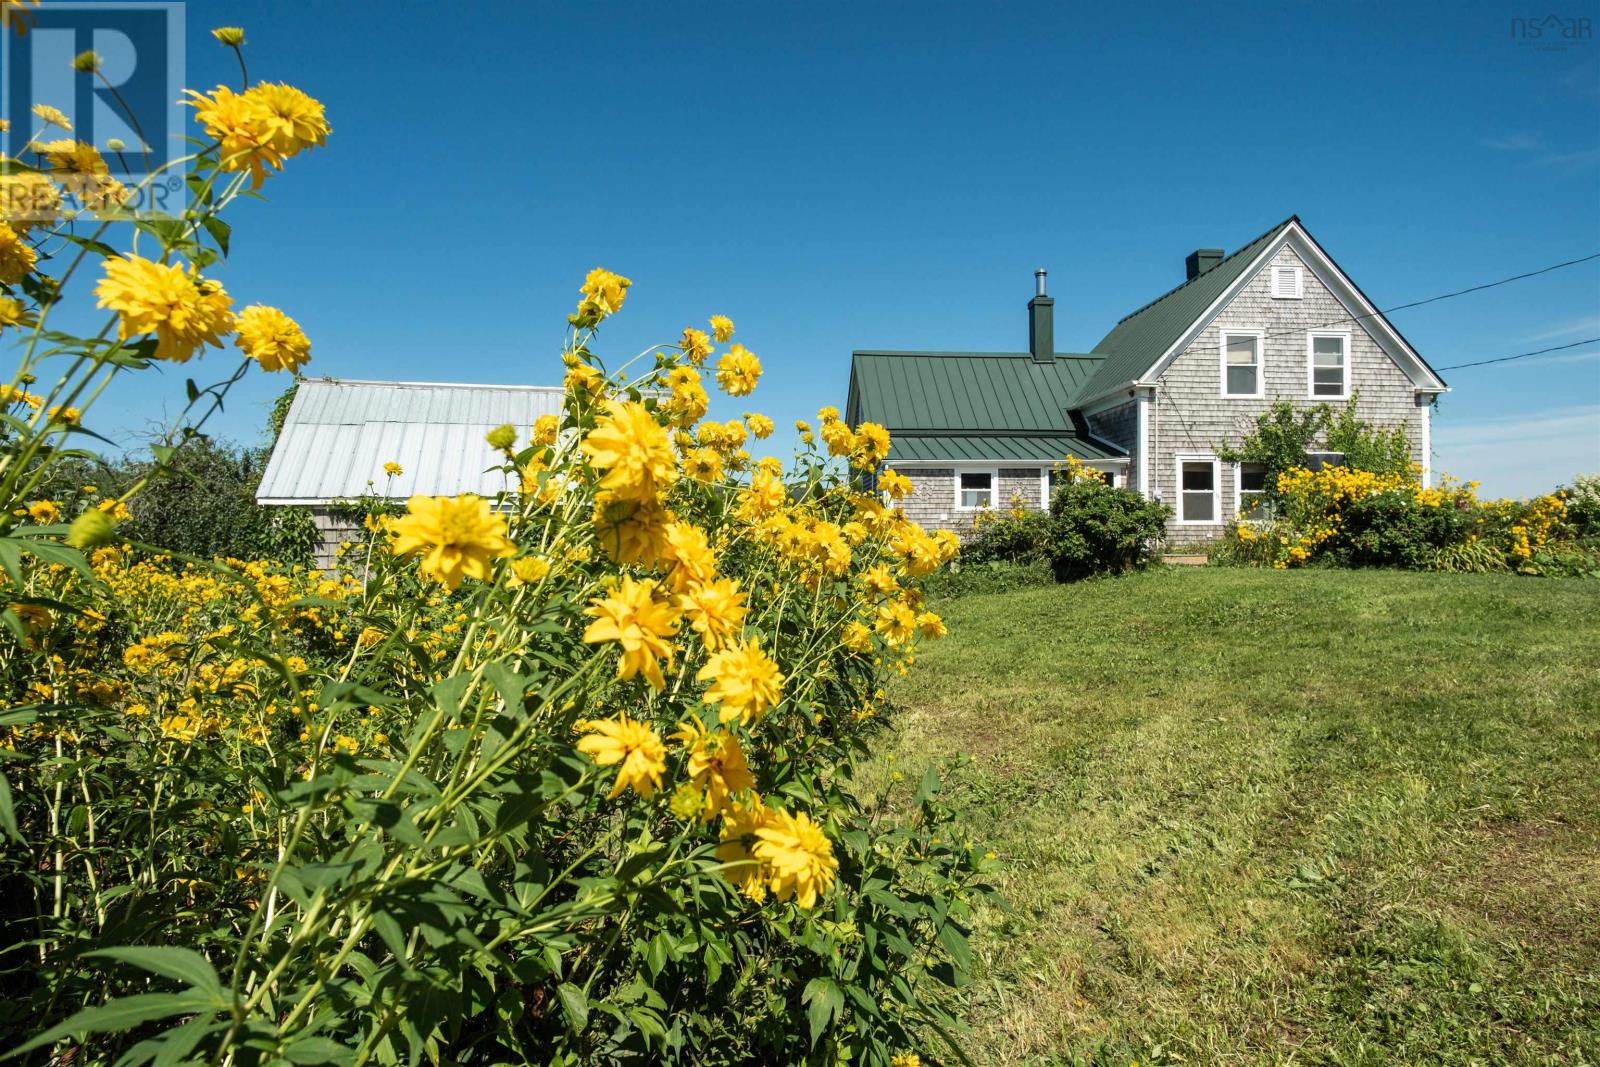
{"x":328,"y":379}
{"x":1185,"y":284}
{"x":970,"y":355}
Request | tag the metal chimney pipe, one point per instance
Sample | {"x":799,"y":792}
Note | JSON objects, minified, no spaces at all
{"x":1038,"y":278}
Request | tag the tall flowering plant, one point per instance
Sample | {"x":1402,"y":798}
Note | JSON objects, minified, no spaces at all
{"x":562,"y":775}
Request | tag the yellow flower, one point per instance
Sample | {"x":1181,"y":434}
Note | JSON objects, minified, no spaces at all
{"x":895,"y":484}
{"x":272,"y":339}
{"x":51,"y":116}
{"x":633,"y":533}
{"x":232,"y":36}
{"x":759,"y":425}
{"x":346,"y":744}
{"x":293,"y":120}
{"x":44,"y":512}
{"x":872,"y":445}
{"x":738,"y":371}
{"x":393,"y":469}
{"x":689,"y":550}
{"x":545,"y":429}
{"x":634,"y":451}
{"x":799,"y":857}
{"x":907,"y":1059}
{"x":17,"y":257}
{"x":896,"y":622}
{"x":696,"y":345}
{"x":529,"y":570}
{"x":703,"y":465}
{"x":457,"y":537}
{"x":855,"y":636}
{"x":183,"y":310}
{"x":633,"y":744}
{"x":740,"y":823}
{"x":722,"y":328}
{"x":12,"y":312}
{"x":640,"y":623}
{"x":603,"y":294}
{"x":717,"y":765}
{"x":745,"y":680}
{"x":931,"y":625}
{"x":716,"y":610}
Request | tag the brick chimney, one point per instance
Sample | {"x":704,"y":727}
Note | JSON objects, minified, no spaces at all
{"x":1041,"y":323}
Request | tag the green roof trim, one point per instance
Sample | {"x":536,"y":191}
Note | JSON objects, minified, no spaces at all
{"x":1134,"y":344}
{"x":1000,"y":448}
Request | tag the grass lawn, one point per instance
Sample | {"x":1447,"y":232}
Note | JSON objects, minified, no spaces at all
{"x":1262,"y":817}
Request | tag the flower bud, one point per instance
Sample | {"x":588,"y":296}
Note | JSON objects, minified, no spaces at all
{"x":91,"y":529}
{"x":115,"y":144}
{"x":86,"y":62}
{"x":502,"y":437}
{"x":232,"y":36}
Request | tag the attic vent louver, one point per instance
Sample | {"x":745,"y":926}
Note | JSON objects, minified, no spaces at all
{"x":1041,"y":322}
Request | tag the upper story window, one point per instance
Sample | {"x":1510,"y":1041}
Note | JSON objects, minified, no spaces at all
{"x":1329,"y":366}
{"x":1286,"y":283}
{"x":1241,"y":363}
{"x":975,"y":489}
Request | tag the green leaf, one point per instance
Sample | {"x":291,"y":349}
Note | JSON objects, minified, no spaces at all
{"x":123,"y":1014}
{"x":824,"y":1001}
{"x":955,"y":943}
{"x":8,"y":814}
{"x":220,"y":231}
{"x":318,"y":1050}
{"x":575,"y":1004}
{"x":170,"y":961}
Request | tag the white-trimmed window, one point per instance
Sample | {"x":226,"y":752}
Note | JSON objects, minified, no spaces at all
{"x":1052,"y":477}
{"x":1286,"y":282}
{"x":1241,"y":363}
{"x":1252,"y":491}
{"x":976,"y":489}
{"x":1328,"y":366}
{"x":1199,"y":490}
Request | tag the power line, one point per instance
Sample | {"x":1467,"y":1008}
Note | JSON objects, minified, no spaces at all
{"x":1449,"y":296}
{"x":1520,"y":355}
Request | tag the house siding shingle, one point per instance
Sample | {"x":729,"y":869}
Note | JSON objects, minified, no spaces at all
{"x":1190,"y":416}
{"x":933,"y":495}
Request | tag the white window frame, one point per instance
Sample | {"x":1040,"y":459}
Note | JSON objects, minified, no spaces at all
{"x":1293,"y":271}
{"x":1261,"y":362}
{"x":1044,"y":481}
{"x":1216,"y":489}
{"x":994,"y":487}
{"x":1311,"y":365}
{"x":1238,"y":491}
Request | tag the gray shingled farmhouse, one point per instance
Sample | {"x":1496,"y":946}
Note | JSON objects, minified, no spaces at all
{"x":1152,"y":403}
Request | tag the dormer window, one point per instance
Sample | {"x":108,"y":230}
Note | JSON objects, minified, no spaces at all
{"x":1286,"y":283}
{"x":1241,"y":363}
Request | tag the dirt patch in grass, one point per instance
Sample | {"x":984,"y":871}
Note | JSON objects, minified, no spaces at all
{"x":1540,"y":882}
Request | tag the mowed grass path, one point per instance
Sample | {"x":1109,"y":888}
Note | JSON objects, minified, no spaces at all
{"x":1258,"y":817}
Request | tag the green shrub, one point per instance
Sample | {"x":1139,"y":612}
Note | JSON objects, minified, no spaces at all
{"x":1394,"y":529}
{"x":1098,"y":529}
{"x":1017,"y":537}
{"x":1583,"y":505}
{"x":1285,"y":435}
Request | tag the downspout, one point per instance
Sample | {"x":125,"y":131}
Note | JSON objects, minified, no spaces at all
{"x":1425,"y":401}
{"x":1144,"y":443}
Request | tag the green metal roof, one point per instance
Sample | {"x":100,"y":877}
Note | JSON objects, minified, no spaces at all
{"x":1042,"y":448}
{"x":966,"y":391}
{"x":1135,"y":343}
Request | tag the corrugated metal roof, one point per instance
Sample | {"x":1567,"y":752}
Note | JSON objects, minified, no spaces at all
{"x":1135,"y":343}
{"x":1043,"y":448}
{"x":340,"y":433}
{"x":973,"y":391}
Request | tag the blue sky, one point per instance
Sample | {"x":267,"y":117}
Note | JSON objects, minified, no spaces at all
{"x":838,"y":176}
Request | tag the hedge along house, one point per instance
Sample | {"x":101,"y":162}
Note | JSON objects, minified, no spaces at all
{"x":1156,"y":399}
{"x":339,"y":433}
